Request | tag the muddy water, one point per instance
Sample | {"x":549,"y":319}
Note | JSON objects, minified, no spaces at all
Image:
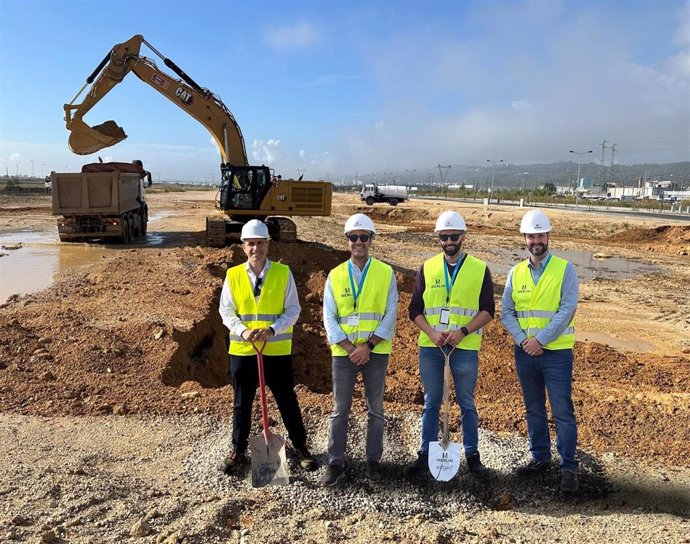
{"x":39,"y":261}
{"x":588,"y":266}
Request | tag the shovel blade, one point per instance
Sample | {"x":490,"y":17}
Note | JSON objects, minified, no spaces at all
{"x":444,"y":462}
{"x":269,"y":465}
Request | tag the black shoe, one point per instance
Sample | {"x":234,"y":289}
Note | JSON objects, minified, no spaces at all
{"x":374,"y":472}
{"x":474,"y":465}
{"x":533,"y":468}
{"x":306,"y":460}
{"x":417,"y":468}
{"x":233,"y":463}
{"x":569,"y":481}
{"x":334,"y":473}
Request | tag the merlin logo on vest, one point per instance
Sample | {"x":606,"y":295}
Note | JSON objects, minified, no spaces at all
{"x":347,"y":293}
{"x":523,"y":289}
{"x":437,"y":284}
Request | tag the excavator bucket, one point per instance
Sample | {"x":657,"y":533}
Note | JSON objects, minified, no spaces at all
{"x":84,"y":140}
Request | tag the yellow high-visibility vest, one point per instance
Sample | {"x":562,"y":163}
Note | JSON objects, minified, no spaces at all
{"x":536,"y":305}
{"x":463,"y":305}
{"x":261,"y":313}
{"x":371,"y":304}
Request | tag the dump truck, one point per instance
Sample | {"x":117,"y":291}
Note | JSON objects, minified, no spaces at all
{"x":393,"y":194}
{"x":103,"y":201}
{"x":246,"y":191}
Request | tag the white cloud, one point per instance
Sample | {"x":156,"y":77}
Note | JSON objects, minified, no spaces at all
{"x":301,"y":153}
{"x":14,"y":157}
{"x":378,"y":126}
{"x":522,"y":105}
{"x":295,"y":36}
{"x":264,"y":152}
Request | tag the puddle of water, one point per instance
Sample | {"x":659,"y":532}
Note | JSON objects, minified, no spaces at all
{"x":40,"y":261}
{"x":587,"y":267}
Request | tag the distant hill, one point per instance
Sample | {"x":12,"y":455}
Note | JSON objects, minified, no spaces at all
{"x":563,"y":173}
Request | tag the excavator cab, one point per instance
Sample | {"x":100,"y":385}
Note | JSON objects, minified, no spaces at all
{"x":243,"y":187}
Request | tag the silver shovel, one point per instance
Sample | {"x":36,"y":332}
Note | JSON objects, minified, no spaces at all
{"x":444,"y":455}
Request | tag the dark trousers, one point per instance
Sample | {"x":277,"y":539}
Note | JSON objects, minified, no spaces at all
{"x":245,"y":380}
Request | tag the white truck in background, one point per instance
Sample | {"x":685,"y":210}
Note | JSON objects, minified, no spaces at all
{"x":393,"y":194}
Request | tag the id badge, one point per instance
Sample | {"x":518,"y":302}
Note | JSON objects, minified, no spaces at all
{"x":445,"y":316}
{"x":353,"y":320}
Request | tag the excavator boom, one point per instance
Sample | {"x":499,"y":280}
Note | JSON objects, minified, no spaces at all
{"x":200,"y":103}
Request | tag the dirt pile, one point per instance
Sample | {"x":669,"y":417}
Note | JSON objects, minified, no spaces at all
{"x":673,"y":239}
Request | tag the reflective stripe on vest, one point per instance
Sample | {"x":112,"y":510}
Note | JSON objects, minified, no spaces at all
{"x":463,"y":303}
{"x":371,"y":304}
{"x":261,"y":313}
{"x":536,"y":305}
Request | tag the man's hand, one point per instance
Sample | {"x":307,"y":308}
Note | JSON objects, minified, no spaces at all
{"x":360,"y":355}
{"x":454,"y":338}
{"x":532,"y":347}
{"x":258,"y":335}
{"x":439,"y":338}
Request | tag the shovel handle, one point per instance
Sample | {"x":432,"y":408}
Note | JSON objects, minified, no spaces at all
{"x":445,"y":410}
{"x":262,"y":387}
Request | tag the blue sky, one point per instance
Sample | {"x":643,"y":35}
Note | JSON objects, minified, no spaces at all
{"x":343,"y":88}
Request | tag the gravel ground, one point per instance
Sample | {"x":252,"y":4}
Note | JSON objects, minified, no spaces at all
{"x":131,"y":479}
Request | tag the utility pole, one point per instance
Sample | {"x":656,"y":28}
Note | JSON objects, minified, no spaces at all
{"x":441,"y":169}
{"x":33,"y":174}
{"x":602,"y":178}
{"x":613,"y":151}
{"x":493,"y":175}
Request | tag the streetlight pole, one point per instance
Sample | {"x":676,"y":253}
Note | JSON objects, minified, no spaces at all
{"x":493,"y":175}
{"x":579,"y":158}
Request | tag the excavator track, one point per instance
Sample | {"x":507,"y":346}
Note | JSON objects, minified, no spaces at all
{"x":282,"y":229}
{"x":215,"y":231}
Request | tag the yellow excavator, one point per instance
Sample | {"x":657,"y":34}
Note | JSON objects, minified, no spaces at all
{"x":246,"y":192}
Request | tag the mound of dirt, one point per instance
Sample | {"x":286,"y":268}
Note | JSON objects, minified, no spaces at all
{"x":665,"y":238}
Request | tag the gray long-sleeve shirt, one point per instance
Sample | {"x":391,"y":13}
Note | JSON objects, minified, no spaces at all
{"x":386,"y":328}
{"x":559,"y":322}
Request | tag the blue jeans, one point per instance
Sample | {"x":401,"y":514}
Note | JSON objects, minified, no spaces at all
{"x":553,"y":372}
{"x":464,"y":365}
{"x":344,"y":379}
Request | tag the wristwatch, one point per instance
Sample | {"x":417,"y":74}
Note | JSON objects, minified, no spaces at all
{"x":370,"y":345}
{"x":465,"y":330}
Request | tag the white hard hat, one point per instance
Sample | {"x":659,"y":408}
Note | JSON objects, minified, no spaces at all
{"x":534,"y":222}
{"x":359,"y":221}
{"x":254,"y":229}
{"x":450,"y":220}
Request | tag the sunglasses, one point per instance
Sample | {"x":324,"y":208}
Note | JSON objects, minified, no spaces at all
{"x":354,"y":237}
{"x":454,"y":237}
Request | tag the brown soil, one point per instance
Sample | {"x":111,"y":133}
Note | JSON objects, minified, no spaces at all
{"x":139,"y":333}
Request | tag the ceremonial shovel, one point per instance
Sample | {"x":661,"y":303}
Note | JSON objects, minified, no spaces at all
{"x":444,"y":456}
{"x":269,"y":465}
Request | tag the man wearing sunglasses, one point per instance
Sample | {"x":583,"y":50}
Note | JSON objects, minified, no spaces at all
{"x":259,"y":303}
{"x":453,"y":299}
{"x":359,"y":311}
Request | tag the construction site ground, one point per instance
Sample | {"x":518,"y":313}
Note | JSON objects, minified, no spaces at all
{"x":115,"y":400}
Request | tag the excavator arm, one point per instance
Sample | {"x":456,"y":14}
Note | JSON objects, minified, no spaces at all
{"x":198,"y":102}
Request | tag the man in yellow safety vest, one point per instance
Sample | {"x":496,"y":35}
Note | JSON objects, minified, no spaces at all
{"x":359,"y":309}
{"x":453,"y":299}
{"x":259,"y":303}
{"x":539,"y":304}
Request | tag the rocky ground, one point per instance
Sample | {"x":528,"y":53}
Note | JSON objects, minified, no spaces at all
{"x":115,"y":399}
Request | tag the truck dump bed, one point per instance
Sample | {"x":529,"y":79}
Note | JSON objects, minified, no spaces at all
{"x":111,"y":192}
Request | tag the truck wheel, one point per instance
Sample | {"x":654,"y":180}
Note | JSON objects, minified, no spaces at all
{"x":144,"y":222}
{"x":393,"y":201}
{"x":126,"y":230}
{"x":370,"y":201}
